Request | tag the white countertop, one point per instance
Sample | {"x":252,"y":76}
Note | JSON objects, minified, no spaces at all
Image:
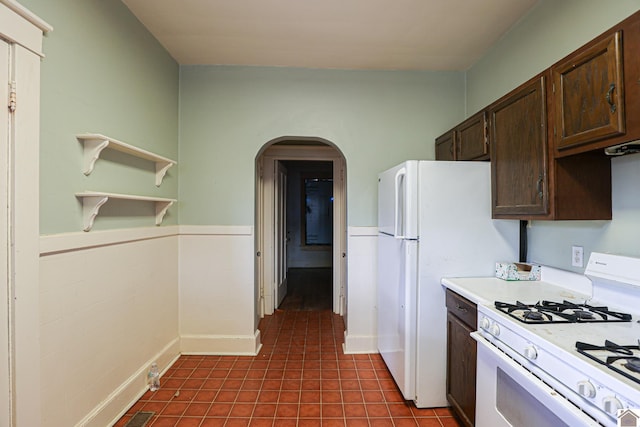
{"x":560,"y":337}
{"x":487,"y":290}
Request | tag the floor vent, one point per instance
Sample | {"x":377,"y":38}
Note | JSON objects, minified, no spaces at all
{"x":140,"y":419}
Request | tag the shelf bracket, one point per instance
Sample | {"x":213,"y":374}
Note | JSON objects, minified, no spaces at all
{"x":161,"y":210}
{"x":90,"y":208}
{"x":161,"y":171}
{"x":92,"y":150}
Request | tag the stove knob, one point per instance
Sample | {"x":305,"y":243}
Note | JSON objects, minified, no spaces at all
{"x":586,"y":389}
{"x":484,"y":323}
{"x":494,"y":330}
{"x":611,"y":405}
{"x":531,"y":353}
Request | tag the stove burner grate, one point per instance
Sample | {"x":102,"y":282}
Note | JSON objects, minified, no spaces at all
{"x":623,"y":352}
{"x":633,"y":364}
{"x":560,"y":312}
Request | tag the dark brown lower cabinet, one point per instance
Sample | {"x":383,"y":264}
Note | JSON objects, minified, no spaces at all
{"x":461,"y":357}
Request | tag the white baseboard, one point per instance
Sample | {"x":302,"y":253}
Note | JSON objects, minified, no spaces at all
{"x":221,"y":344}
{"x":359,"y":344}
{"x":111,"y":409}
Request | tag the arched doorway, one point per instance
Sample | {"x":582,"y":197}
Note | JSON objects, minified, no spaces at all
{"x":270,"y":218}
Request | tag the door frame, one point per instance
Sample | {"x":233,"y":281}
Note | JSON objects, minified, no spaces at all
{"x":265,"y":244}
{"x":280,"y":228}
{"x":20,"y":223}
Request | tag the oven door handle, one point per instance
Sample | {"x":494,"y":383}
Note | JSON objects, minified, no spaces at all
{"x":546,"y":395}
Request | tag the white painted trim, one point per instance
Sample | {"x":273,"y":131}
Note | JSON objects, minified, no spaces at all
{"x":302,"y":152}
{"x":26,"y":231}
{"x":56,"y":243}
{"x":19,"y":26}
{"x":222,"y":230}
{"x":362,"y":231}
{"x":359,"y":344}
{"x":28,"y":15}
{"x":221,"y":344}
{"x":265,"y":243}
{"x":109,"y":411}
{"x":64,"y":242}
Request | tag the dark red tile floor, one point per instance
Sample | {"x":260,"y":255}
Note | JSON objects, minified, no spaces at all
{"x":301,"y":377}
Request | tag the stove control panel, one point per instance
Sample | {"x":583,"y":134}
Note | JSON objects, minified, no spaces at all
{"x":530,"y":352}
{"x":611,"y":405}
{"x":485,"y":323}
{"x":586,"y":389}
{"x":494,"y":330}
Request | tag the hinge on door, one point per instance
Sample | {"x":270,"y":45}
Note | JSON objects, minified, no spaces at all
{"x":12,"y":96}
{"x":553,"y":87}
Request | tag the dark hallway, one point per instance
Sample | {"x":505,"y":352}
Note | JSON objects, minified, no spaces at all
{"x":309,"y":289}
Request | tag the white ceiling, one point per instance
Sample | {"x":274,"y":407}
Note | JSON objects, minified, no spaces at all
{"x":346,"y":34}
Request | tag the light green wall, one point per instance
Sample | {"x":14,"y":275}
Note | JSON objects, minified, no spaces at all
{"x":103,"y":73}
{"x":551,"y":31}
{"x":376,"y":118}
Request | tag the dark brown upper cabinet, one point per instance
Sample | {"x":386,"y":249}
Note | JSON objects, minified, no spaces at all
{"x":527,"y":181}
{"x":472,"y":138}
{"x":596,"y":101}
{"x":588,"y":93}
{"x":446,"y":146}
{"x":467,"y":141}
{"x":546,"y":138}
{"x":518,"y":135}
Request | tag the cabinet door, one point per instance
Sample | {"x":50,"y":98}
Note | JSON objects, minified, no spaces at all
{"x":445,"y":146}
{"x":472,"y":139}
{"x":518,"y":140}
{"x":461,"y":369}
{"x":589,"y":94}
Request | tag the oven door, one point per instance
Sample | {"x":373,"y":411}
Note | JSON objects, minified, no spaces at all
{"x":509,"y":395}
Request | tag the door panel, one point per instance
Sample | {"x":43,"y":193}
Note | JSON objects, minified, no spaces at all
{"x":280,"y":227}
{"x":519,"y":152}
{"x":589,"y":92}
{"x":5,"y":303}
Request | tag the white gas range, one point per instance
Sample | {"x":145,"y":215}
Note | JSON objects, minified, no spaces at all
{"x":530,"y":371}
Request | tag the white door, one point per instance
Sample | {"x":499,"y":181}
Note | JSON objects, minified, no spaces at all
{"x":280,"y":228}
{"x":5,"y":324}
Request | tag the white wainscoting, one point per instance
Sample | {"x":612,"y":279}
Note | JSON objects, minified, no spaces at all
{"x":217,"y":290}
{"x":112,"y":302}
{"x":108,"y":309}
{"x":361,"y":333}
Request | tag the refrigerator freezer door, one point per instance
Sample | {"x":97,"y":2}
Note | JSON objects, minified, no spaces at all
{"x":398,"y":201}
{"x":397,"y":278}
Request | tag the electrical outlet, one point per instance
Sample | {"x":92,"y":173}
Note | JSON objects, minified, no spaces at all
{"x":577,"y":256}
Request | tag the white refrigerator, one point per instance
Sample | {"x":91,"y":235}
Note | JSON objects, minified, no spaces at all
{"x":434,"y":221}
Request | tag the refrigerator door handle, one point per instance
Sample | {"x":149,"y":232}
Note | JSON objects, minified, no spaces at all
{"x":398,"y":217}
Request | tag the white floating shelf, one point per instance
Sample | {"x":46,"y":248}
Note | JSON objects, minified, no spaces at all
{"x":94,"y":143}
{"x":93,"y":200}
